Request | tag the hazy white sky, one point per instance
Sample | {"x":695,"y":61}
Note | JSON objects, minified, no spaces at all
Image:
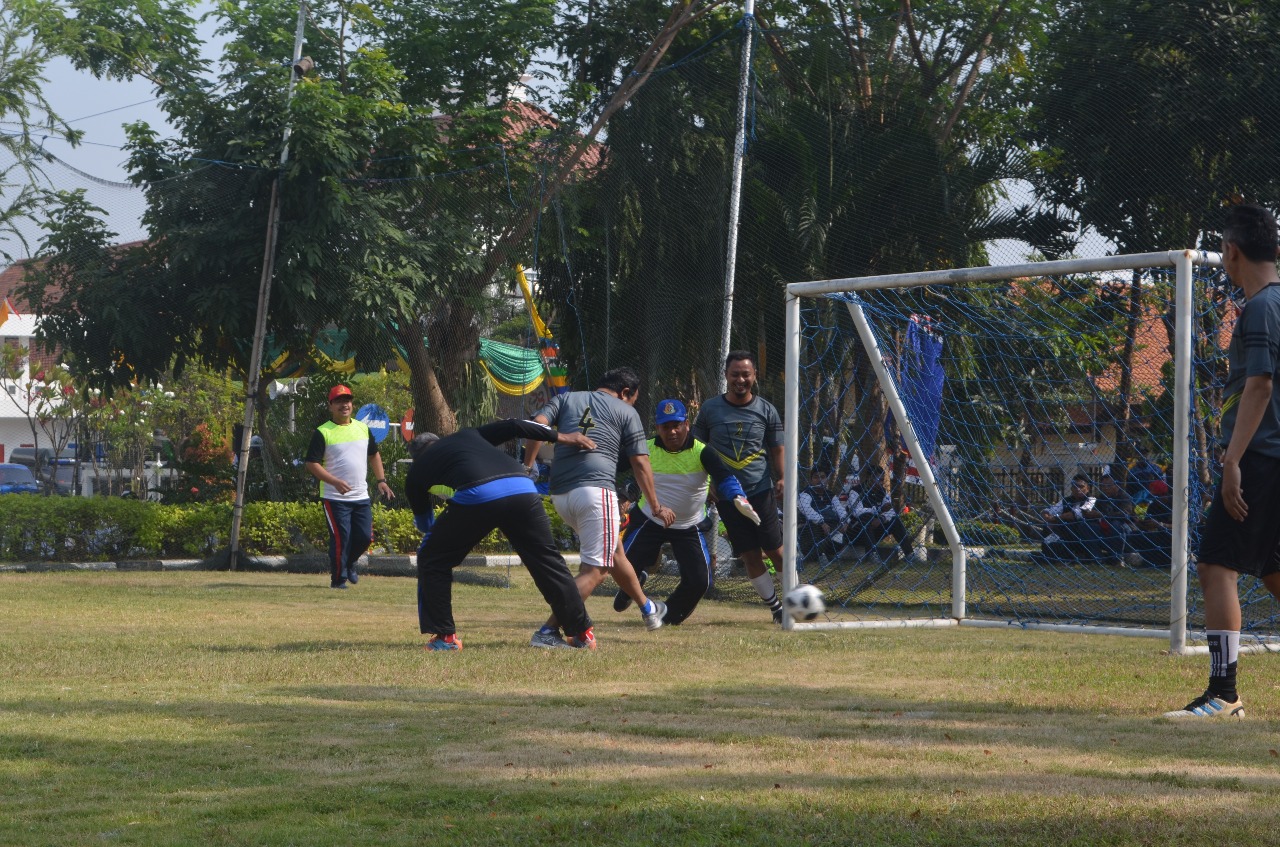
{"x":99,"y":108}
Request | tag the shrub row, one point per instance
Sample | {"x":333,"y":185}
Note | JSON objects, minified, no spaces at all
{"x":103,"y":529}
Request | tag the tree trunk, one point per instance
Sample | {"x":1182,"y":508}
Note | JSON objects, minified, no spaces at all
{"x":432,"y":412}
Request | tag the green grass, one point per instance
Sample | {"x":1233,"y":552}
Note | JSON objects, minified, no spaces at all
{"x":223,"y":708}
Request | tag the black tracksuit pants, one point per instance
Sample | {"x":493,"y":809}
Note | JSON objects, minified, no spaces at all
{"x":457,"y":531}
{"x":643,"y":542}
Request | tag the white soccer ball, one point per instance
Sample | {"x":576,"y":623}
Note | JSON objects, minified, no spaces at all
{"x":804,"y":603}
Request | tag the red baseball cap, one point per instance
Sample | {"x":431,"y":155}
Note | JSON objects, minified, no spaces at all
{"x":339,"y":391}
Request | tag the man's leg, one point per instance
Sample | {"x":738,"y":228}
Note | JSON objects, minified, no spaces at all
{"x":642,"y":543}
{"x":694,"y":561}
{"x":337,"y":517}
{"x":1222,"y":627}
{"x":456,"y":532}
{"x":593,"y":514}
{"x":359,"y":537}
{"x":529,"y":531}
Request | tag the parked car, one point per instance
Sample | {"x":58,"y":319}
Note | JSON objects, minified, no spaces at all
{"x":27,"y":456}
{"x":63,"y":477}
{"x":17,"y":479}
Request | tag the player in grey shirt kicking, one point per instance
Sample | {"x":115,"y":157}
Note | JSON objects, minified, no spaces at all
{"x":583,"y":491}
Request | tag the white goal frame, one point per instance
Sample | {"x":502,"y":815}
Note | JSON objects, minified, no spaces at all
{"x":1182,"y":261}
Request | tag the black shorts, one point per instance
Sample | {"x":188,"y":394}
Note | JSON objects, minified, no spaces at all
{"x":1251,"y":546}
{"x":743,"y":534}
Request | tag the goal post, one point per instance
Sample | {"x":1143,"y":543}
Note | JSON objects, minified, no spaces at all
{"x":1095,"y":304}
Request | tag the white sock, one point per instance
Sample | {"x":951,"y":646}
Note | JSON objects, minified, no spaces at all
{"x":1226,"y":655}
{"x":764,"y":587}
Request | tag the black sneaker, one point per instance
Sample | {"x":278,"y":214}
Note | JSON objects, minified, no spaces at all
{"x":621,"y":600}
{"x":777,"y":616}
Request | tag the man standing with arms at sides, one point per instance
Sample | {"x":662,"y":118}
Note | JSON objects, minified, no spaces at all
{"x":1241,"y":533}
{"x":339,"y":455}
{"x":746,"y":431}
{"x":582,"y":486}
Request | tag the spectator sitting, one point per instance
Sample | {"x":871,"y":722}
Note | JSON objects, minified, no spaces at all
{"x":1067,"y":535}
{"x":872,"y":515}
{"x":1111,"y":519}
{"x":820,"y":520}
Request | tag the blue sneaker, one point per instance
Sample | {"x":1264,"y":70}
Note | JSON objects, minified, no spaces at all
{"x":352,"y":576}
{"x":444,"y":642}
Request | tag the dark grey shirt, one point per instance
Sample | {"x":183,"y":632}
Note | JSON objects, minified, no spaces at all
{"x":611,"y":423}
{"x":1255,"y":351}
{"x":742,"y":437}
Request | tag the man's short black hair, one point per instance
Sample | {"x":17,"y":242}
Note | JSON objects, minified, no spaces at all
{"x":1252,"y":229}
{"x":739,"y":356}
{"x":620,"y":380}
{"x":1082,"y":478}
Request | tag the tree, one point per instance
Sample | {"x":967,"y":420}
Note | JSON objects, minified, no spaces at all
{"x":24,"y":111}
{"x":397,"y":201}
{"x":1150,"y":164}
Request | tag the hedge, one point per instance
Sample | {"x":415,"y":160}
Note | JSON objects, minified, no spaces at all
{"x":104,"y":529}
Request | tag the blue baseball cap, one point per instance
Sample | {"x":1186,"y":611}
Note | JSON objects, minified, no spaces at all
{"x":670,"y":410}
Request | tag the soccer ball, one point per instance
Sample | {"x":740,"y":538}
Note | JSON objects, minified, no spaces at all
{"x":804,"y":603}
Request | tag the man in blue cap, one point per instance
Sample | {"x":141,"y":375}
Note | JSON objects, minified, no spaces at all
{"x":681,"y":466}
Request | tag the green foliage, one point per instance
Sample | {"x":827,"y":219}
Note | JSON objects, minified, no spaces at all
{"x":90,"y":529}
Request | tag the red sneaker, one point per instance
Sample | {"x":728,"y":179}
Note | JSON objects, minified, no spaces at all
{"x":444,"y":642}
{"x":585,"y":641}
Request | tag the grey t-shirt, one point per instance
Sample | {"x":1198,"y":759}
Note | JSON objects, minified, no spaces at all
{"x":1255,"y":351}
{"x":611,"y":423}
{"x":741,"y":436}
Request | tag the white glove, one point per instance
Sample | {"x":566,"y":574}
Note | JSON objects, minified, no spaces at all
{"x":744,"y":508}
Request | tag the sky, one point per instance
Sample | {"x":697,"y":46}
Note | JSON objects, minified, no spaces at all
{"x":100,"y":108}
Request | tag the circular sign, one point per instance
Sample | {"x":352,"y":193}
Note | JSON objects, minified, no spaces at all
{"x":406,"y":426}
{"x":372,"y":416}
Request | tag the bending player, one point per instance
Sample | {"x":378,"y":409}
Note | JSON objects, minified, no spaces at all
{"x":491,"y":491}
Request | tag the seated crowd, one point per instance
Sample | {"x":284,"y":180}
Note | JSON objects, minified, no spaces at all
{"x":1106,"y":527}
{"x":859,"y":518}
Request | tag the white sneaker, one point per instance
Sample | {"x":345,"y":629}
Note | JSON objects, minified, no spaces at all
{"x":745,"y":509}
{"x":653,"y":620}
{"x":1209,"y":706}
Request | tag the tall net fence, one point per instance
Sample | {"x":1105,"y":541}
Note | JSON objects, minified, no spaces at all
{"x":1045,"y":404}
{"x":396,"y":267}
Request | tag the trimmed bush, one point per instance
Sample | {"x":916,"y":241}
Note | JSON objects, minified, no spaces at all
{"x":104,"y":529}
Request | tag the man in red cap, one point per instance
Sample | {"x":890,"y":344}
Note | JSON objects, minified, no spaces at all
{"x":339,"y":455}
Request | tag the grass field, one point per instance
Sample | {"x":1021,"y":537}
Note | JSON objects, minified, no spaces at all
{"x":238,"y":709}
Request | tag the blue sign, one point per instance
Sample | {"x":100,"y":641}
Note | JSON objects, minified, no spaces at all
{"x":373,"y":416}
